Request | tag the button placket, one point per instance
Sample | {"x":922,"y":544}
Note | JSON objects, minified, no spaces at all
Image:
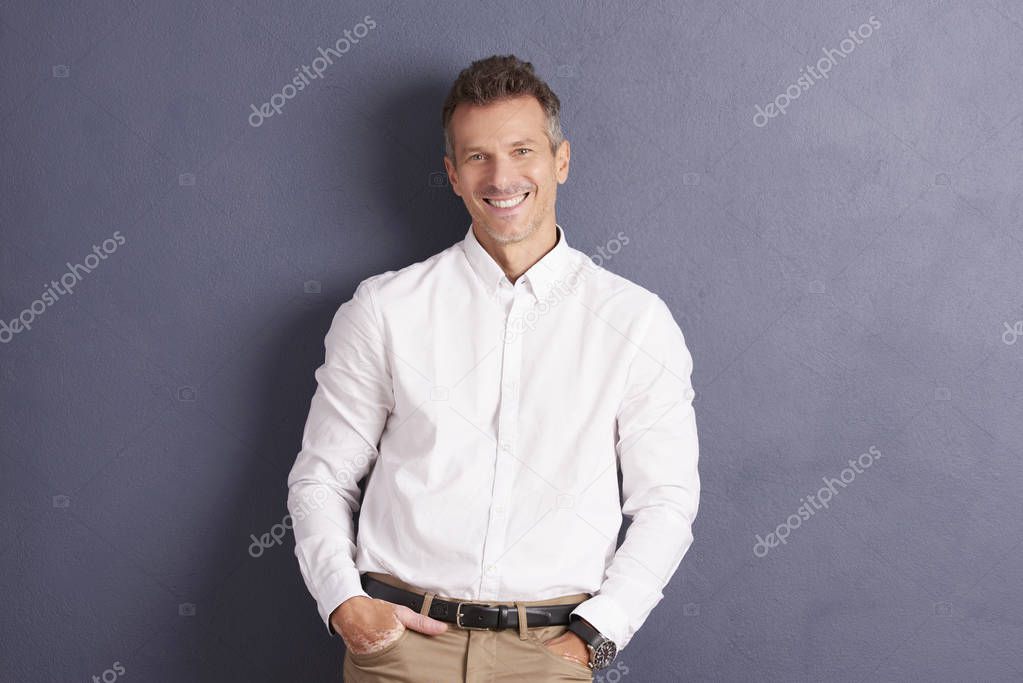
{"x":505,"y":461}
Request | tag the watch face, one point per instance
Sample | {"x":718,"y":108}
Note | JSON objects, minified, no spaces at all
{"x":604,"y":654}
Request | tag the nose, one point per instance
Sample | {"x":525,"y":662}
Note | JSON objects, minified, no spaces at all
{"x":502,"y":172}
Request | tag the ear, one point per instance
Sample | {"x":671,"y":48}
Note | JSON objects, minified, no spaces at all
{"x":561,"y":159}
{"x":452,"y":175}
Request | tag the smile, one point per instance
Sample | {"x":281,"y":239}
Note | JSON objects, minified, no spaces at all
{"x":507,"y":203}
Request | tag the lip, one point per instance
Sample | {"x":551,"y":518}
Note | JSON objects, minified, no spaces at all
{"x":509,"y":211}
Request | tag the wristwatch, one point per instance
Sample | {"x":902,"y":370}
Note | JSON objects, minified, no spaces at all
{"x":602,"y":649}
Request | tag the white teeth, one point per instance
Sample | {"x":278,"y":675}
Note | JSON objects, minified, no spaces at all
{"x":507,"y":203}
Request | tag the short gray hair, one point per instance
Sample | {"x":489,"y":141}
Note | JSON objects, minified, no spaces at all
{"x":495,"y":78}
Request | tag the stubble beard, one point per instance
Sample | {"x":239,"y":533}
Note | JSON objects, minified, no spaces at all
{"x":503,"y":238}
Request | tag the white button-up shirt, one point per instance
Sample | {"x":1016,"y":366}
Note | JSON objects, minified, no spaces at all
{"x":492,"y":418}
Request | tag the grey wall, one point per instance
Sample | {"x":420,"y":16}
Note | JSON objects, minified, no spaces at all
{"x":847,"y":275}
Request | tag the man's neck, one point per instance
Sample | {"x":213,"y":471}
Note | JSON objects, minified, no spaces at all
{"x":516,"y":258}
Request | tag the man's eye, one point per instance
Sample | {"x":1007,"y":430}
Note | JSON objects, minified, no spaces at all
{"x":475,"y":155}
{"x":523,"y":149}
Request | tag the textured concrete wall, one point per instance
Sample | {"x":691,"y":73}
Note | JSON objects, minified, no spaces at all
{"x":826,"y":194}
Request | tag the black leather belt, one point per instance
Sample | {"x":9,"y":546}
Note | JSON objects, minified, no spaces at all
{"x":471,"y":615}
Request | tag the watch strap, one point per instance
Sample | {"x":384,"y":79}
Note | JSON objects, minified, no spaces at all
{"x":582,"y":629}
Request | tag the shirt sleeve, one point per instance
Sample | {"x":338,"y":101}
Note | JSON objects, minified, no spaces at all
{"x":658,"y":452}
{"x":349,"y":409}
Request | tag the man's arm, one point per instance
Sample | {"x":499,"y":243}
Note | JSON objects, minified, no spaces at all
{"x":347,"y":414}
{"x":658,"y":452}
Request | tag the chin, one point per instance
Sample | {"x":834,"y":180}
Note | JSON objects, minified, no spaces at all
{"x":500,"y":230}
{"x":508,"y":234}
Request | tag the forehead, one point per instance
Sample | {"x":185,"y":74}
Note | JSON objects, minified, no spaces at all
{"x":498,"y":123}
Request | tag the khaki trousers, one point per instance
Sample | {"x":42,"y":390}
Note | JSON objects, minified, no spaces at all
{"x":468,"y":656}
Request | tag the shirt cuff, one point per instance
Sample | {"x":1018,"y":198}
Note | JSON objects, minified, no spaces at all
{"x":605,"y":615}
{"x":341,"y":586}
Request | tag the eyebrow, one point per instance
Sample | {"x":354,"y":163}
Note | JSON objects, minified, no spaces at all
{"x":527,"y":141}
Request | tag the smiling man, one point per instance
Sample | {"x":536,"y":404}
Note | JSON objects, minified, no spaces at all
{"x":493,"y":392}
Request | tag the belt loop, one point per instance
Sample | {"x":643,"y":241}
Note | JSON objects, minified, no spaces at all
{"x":523,"y":626}
{"x":427,"y":601}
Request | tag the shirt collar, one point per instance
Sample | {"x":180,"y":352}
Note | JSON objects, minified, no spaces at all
{"x":542,"y":275}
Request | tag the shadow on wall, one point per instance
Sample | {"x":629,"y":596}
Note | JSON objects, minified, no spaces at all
{"x":402,"y":178}
{"x":260,"y":621}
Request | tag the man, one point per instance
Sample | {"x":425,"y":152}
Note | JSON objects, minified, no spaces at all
{"x":492,"y":392}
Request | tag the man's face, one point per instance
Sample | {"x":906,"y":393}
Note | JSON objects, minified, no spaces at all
{"x":503,"y":154}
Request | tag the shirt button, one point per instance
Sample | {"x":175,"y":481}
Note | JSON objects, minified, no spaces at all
{"x":499,"y":510}
{"x":506,"y":446}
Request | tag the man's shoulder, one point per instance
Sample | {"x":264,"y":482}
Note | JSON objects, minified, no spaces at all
{"x":399,"y":283}
{"x":607,"y":287}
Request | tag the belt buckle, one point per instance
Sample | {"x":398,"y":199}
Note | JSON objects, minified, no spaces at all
{"x":458,"y":620}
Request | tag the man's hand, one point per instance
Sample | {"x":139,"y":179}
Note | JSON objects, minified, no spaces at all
{"x":369,"y":624}
{"x":571,"y":647}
